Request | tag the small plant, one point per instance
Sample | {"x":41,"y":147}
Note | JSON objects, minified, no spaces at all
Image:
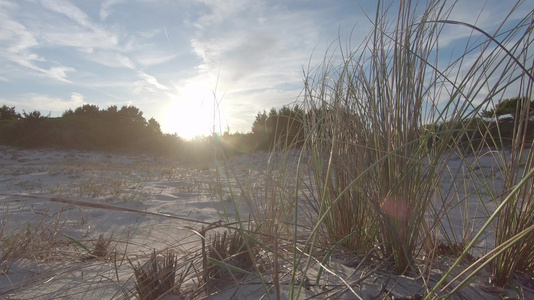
{"x":157,"y":277}
{"x":117,"y":185}
{"x":101,"y":248}
{"x":229,"y":258}
{"x":43,"y":241}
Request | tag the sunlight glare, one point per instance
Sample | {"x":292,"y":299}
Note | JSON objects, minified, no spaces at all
{"x":191,"y":114}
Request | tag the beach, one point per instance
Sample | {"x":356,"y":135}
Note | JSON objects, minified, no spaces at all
{"x":76,"y":223}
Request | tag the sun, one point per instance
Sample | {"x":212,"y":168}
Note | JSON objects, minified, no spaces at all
{"x":192,"y":111}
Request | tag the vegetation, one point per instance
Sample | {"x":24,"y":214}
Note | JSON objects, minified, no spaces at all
{"x":88,"y":128}
{"x":126,"y":130}
{"x":284,"y":126}
{"x":361,"y":170}
{"x":377,"y":140}
{"x":9,"y":113}
{"x":511,"y":106}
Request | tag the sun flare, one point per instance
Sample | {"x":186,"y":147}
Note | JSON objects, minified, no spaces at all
{"x":192,"y":111}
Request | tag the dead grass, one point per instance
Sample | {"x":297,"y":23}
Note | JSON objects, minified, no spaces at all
{"x":43,"y":241}
{"x":158,"y":276}
{"x":229,"y":259}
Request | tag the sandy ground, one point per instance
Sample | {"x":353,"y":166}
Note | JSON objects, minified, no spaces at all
{"x":149,"y":204}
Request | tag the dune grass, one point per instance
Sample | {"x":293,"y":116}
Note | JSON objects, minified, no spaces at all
{"x":384,"y":119}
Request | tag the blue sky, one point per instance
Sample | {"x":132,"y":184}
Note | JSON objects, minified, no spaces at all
{"x":169,"y":57}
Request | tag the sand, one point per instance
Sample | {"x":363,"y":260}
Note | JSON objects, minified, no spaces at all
{"x":143,"y":204}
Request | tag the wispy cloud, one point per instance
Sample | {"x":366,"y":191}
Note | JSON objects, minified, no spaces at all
{"x":83,"y":33}
{"x":148,"y":82}
{"x":486,"y":15}
{"x":18,"y":44}
{"x":106,"y":8}
{"x":72,"y":28}
{"x":148,"y":59}
{"x":249,"y":49}
{"x":69,"y":10}
{"x":45,"y":104}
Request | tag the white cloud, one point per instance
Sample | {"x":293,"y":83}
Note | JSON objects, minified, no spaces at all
{"x":83,"y":34}
{"x":222,"y":10}
{"x":486,"y":15}
{"x":148,"y":34}
{"x":125,"y":61}
{"x":148,"y":60}
{"x":148,"y":83}
{"x":59,"y":73}
{"x":77,"y":99}
{"x":245,"y":45}
{"x":18,"y":46}
{"x":28,"y":60}
{"x":255,"y":53}
{"x":45,"y":103}
{"x":110,"y":58}
{"x":247,"y":49}
{"x":152,"y":80}
{"x":71,"y":11}
{"x":84,"y":40}
{"x":15,"y":35}
{"x":105,"y":8}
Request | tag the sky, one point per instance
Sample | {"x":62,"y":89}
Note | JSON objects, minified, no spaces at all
{"x":189,"y":64}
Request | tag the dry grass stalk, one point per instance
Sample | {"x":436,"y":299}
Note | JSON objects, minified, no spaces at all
{"x":382,"y":126}
{"x":157,"y":277}
{"x":101,"y":248}
{"x":43,"y":241}
{"x":517,"y":215}
{"x":367,"y":121}
{"x":227,"y":255}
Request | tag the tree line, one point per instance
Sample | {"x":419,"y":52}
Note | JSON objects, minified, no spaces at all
{"x":127,"y":114}
{"x":126,"y":129}
{"x":92,"y":128}
{"x":510,"y":106}
{"x":283,"y":127}
{"x":87,"y":127}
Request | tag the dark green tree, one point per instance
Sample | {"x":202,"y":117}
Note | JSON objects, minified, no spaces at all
{"x":260,"y":132}
{"x":283,"y":126}
{"x":9,"y":113}
{"x":259,"y":124}
{"x":154,"y":126}
{"x":68,"y":113}
{"x":88,"y":110}
{"x":509,"y":106}
{"x":111,"y":114}
{"x":113,"y":109}
{"x":132,"y":115}
{"x":32,"y":115}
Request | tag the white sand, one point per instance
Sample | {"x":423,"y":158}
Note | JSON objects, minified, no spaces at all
{"x":29,"y":179}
